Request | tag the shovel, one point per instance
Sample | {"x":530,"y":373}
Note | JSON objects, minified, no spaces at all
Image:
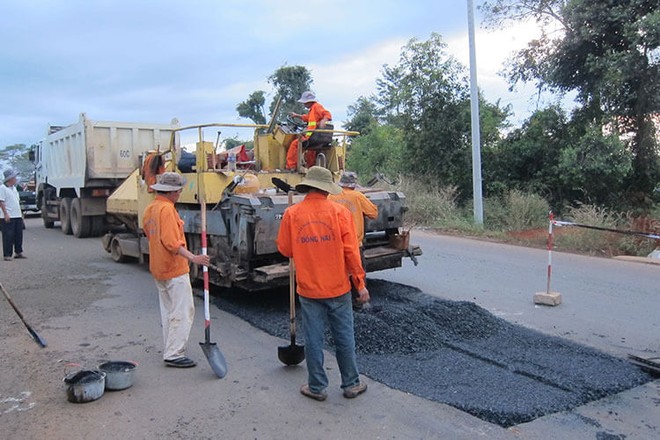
{"x":291,"y":354}
{"x":210,"y":349}
{"x":38,"y":339}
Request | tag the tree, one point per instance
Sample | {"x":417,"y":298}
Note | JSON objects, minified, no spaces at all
{"x":607,"y":51}
{"x":16,"y":157}
{"x":362,"y":115}
{"x":289,"y":82}
{"x":253,"y":107}
{"x":381,"y":149}
{"x":527,"y":159}
{"x":426,"y":95}
{"x":595,"y":168}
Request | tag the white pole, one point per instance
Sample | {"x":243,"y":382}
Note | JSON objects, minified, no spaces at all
{"x":476,"y":136}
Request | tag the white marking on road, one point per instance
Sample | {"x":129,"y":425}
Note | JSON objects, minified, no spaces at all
{"x":17,"y":403}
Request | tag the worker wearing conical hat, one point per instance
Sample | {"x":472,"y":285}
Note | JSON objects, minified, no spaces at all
{"x":320,"y":237}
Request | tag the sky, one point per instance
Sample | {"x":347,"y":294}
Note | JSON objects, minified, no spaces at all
{"x":154,"y":60}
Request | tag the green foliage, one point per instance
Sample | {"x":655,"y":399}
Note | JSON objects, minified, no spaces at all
{"x":289,"y":82}
{"x":253,"y":107}
{"x":589,"y":240}
{"x":16,"y":157}
{"x":516,"y":211}
{"x":432,"y":204}
{"x":381,"y":150}
{"x":565,"y":160}
{"x":426,"y":97}
{"x":608,"y":53}
{"x":527,"y":159}
{"x":235,"y":142}
{"x":362,"y":115}
{"x":595,"y":168}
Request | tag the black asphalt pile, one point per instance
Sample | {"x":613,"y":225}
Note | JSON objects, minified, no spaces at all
{"x":459,"y":354}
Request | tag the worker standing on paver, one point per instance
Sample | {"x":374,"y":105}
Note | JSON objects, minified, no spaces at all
{"x":12,"y":217}
{"x":316,"y":117}
{"x":320,"y":237}
{"x":168,"y":264}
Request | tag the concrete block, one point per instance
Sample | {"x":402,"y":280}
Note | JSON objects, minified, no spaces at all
{"x":547,"y":299}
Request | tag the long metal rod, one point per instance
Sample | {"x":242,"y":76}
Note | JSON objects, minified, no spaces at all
{"x":476,"y":135}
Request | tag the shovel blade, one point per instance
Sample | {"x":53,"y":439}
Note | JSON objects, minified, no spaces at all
{"x":291,"y":354}
{"x":215,"y":358}
{"x":38,"y":339}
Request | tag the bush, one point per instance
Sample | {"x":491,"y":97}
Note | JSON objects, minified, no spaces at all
{"x":602,"y":242}
{"x":517,"y":211}
{"x":431,"y":205}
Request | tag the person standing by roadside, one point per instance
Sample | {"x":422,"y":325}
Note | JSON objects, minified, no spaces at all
{"x":12,"y":223}
{"x":168,"y":264}
{"x":320,"y":237}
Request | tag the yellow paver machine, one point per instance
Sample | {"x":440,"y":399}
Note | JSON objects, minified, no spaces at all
{"x":242,"y":193}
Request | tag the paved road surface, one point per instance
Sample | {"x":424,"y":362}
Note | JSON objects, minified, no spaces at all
{"x":608,"y":304}
{"x":90,"y":309}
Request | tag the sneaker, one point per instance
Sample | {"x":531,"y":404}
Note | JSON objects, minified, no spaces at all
{"x":19,"y":256}
{"x":7,"y":258}
{"x":182,"y":362}
{"x":305,"y":391}
{"x":354,"y":391}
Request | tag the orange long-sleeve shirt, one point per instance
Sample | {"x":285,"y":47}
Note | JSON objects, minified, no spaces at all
{"x":359,"y":205}
{"x":314,"y":116}
{"x":320,"y":236}
{"x":164,"y":229}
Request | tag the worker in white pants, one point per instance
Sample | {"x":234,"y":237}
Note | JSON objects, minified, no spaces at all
{"x":169,"y":265}
{"x":177,"y":311}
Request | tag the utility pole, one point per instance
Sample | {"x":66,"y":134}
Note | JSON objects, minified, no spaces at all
{"x":476,"y":135}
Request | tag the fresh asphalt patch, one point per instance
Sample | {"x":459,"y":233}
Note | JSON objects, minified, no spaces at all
{"x":459,"y":354}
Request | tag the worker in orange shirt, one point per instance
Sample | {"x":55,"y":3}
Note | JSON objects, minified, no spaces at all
{"x":356,"y":202}
{"x":320,"y":237}
{"x":317,"y":117}
{"x":359,"y":206}
{"x":168,"y":264}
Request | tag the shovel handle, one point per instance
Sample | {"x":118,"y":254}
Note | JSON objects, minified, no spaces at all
{"x":292,"y":288}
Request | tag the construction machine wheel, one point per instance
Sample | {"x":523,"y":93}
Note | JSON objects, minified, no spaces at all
{"x":116,"y":252}
{"x":81,"y":225}
{"x":65,"y":215}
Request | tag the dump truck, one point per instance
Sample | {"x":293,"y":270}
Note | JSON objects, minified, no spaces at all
{"x":241,"y":204}
{"x":79,"y":165}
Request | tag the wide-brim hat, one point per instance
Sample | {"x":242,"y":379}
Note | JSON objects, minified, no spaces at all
{"x":10,"y":174}
{"x":348,"y":179}
{"x":307,"y":96}
{"x":169,"y":182}
{"x":319,"y":178}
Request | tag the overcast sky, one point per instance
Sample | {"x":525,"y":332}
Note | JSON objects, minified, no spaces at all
{"x":150,"y":61}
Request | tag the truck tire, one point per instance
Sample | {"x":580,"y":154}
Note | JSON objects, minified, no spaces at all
{"x":65,"y":215}
{"x":48,"y":222}
{"x":98,"y":226}
{"x":81,"y":225}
